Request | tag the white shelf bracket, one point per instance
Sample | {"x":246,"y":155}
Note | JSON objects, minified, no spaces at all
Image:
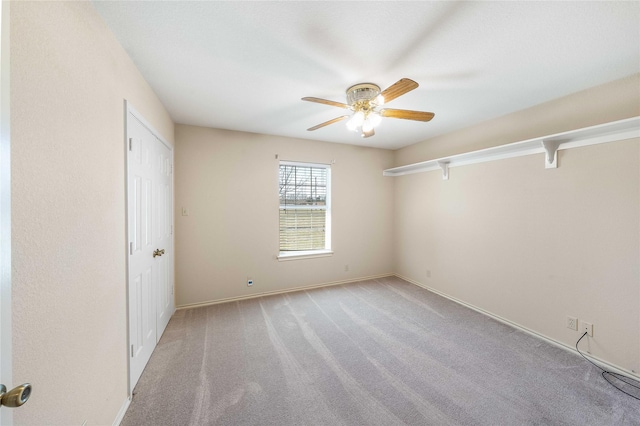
{"x":551,"y":156}
{"x":444,"y":165}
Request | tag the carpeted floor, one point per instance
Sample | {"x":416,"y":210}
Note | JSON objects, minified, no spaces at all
{"x":378,"y":352}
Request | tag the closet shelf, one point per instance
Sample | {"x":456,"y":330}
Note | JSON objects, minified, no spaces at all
{"x":602,"y":133}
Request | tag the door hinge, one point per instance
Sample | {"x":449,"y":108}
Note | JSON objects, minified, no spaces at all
{"x":131,"y":351}
{"x":130,"y":248}
{"x":171,"y":229}
{"x":130,"y":144}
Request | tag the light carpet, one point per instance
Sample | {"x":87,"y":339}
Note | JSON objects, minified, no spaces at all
{"x":376,"y":352}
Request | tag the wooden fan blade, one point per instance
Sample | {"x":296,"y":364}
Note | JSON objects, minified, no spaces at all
{"x":326,"y":123}
{"x":327,"y":102}
{"x":406,"y":114}
{"x":398,"y":88}
{"x":368,"y":134}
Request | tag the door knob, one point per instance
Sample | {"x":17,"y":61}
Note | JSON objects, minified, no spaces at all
{"x":16,"y":396}
{"x":158,"y":252}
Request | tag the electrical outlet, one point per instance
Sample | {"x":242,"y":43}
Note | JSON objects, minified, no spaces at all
{"x":428,"y":273}
{"x":249,"y":282}
{"x":587,"y":328}
{"x":572,"y":323}
{"x":185,"y":211}
{"x":346,"y":268}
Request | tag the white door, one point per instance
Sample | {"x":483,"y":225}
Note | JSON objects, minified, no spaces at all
{"x":18,"y":395}
{"x":142,"y":310}
{"x":164,"y":237}
{"x":5,"y":214}
{"x":150,"y":220}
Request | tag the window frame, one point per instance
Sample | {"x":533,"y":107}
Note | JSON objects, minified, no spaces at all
{"x":307,"y":254}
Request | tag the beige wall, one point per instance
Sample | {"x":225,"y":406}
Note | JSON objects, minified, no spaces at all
{"x":69,"y":77}
{"x":229,"y":183}
{"x":602,"y":104}
{"x":530,"y":244}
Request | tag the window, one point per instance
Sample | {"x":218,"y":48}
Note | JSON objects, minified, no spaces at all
{"x":305,"y":209}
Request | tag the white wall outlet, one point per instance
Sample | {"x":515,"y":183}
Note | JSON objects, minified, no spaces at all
{"x":572,"y":323}
{"x":249,"y":281}
{"x":346,"y":268}
{"x":428,"y":273}
{"x":587,"y":328}
{"x":185,"y":211}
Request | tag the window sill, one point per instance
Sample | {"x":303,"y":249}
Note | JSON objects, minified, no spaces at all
{"x":299,"y":255}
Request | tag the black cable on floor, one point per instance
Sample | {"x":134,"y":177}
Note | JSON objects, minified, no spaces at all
{"x":606,"y":374}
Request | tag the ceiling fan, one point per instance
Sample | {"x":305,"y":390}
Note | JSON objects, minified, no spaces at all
{"x":366,"y":100}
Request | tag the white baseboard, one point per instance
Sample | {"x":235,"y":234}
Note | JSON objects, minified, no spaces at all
{"x":612,"y":367}
{"x":288,"y":290}
{"x":122,"y":412}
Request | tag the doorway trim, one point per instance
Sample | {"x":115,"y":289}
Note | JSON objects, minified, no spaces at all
{"x":6,"y":366}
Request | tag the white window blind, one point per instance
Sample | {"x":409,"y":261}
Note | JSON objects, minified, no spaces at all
{"x":305,"y":206}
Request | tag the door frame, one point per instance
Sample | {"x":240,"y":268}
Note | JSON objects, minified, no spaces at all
{"x":6,"y":366}
{"x":129,"y":109}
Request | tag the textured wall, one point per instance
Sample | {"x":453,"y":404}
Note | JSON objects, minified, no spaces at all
{"x":69,"y":80}
{"x":530,"y":244}
{"x":229,"y":183}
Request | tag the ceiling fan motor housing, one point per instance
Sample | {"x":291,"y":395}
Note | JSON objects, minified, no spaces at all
{"x":362,"y":92}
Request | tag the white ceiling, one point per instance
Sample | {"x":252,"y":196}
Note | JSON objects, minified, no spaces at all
{"x":244,"y":66}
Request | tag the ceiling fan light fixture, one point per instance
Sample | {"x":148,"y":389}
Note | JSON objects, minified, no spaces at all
{"x":357,"y":119}
{"x":379,"y":100}
{"x":366,"y":134}
{"x":367,"y":126}
{"x":374,"y":119}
